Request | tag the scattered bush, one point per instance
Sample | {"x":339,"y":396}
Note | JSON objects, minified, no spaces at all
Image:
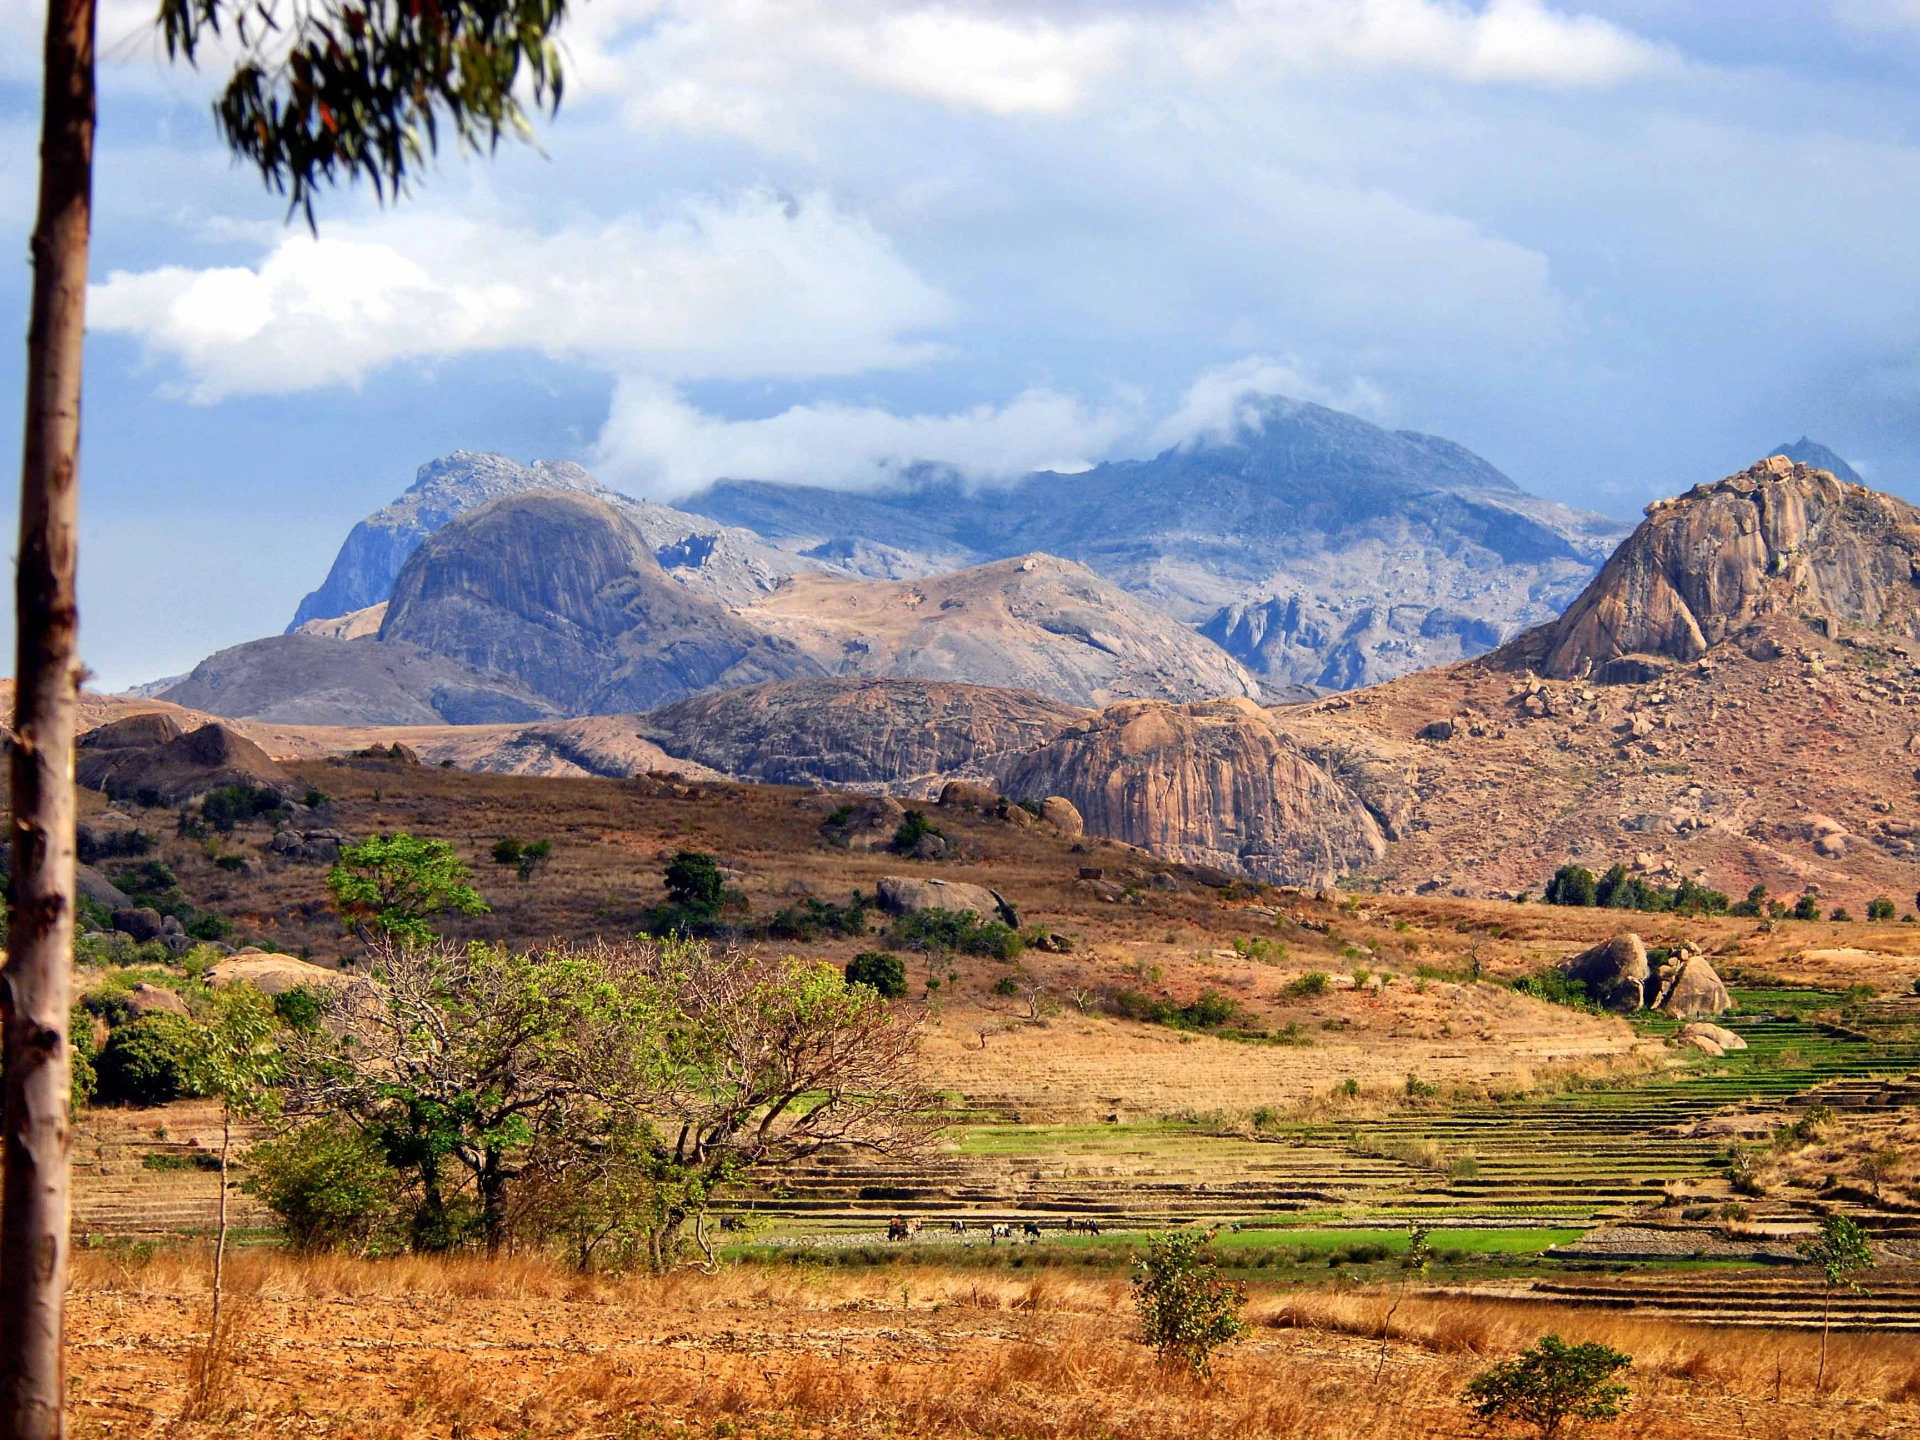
{"x":880,"y":971}
{"x":959,"y":932}
{"x":316,"y":799}
{"x":1880,"y":908}
{"x":1570,"y":885}
{"x":328,"y":1184}
{"x":1209,"y":1011}
{"x":1840,"y":915}
{"x":1807,"y":907}
{"x":699,"y":901}
{"x":1618,"y":890}
{"x":1186,"y":1310}
{"x":1550,"y":1384}
{"x":1314,"y":982}
{"x":809,"y":919}
{"x":298,"y":1008}
{"x":94,"y":846}
{"x":83,"y":1080}
{"x":525,"y":856}
{"x":1006,"y":985}
{"x":232,"y":805}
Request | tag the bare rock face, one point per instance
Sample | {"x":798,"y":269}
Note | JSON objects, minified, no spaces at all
{"x":312,"y":679}
{"x":1061,"y":814}
{"x":1703,"y":567}
{"x":1615,"y":973}
{"x":1035,"y":623}
{"x":904,"y":736}
{"x":561,"y":592}
{"x":1212,"y":784}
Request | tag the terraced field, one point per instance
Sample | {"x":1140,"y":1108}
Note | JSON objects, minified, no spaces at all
{"x":1577,"y":1159}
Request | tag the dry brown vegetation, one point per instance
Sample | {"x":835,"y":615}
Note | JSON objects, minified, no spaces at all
{"x":416,"y":1348}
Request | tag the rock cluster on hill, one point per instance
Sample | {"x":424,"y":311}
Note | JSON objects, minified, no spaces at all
{"x":1214,"y":784}
{"x":1617,"y":975}
{"x":1778,"y":538}
{"x":147,"y":755}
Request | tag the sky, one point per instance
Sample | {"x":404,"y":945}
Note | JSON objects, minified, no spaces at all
{"x":1617,"y":249}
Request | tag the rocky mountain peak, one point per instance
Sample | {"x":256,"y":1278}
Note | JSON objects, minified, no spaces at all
{"x":1780,"y":539}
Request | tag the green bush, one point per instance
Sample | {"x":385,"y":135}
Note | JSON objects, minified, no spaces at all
{"x":82,"y":1078}
{"x":232,"y":805}
{"x":329,"y":1185}
{"x":1880,"y":908}
{"x":698,"y":899}
{"x":1806,"y":908}
{"x":912,"y":830}
{"x":144,"y":1062}
{"x":1571,"y":885}
{"x":1006,"y":985}
{"x":1550,"y":985}
{"x":959,"y":932}
{"x":1314,"y":982}
{"x":1186,"y":1310}
{"x":1550,"y":1384}
{"x":1209,"y":1011}
{"x":298,"y":1008}
{"x":879,"y":971}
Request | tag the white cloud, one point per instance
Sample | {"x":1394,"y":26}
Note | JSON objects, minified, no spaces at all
{"x":762,"y":68}
{"x":758,"y":286}
{"x":1224,"y":400}
{"x":655,"y":443}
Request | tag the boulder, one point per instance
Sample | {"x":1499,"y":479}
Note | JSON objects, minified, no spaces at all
{"x":184,"y":767}
{"x":905,"y":895}
{"x":1718,"y":1035}
{"x":145,"y":999}
{"x":1062,"y":815}
{"x":142,"y":922}
{"x":136,"y":732}
{"x":1692,"y":987}
{"x":1018,"y":816}
{"x":96,"y":887}
{"x":1706,"y":1044}
{"x":271,"y":974}
{"x":1437,"y":730}
{"x":967,"y":795}
{"x":1614,"y":972}
{"x":870,"y":824}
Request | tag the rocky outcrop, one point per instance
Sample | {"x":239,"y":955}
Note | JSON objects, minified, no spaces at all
{"x":1713,"y":1040}
{"x":179,"y":768}
{"x":561,"y":592}
{"x":1035,"y":623}
{"x":310,"y":679}
{"x":905,"y":736}
{"x":1614,"y":973}
{"x":1317,"y":548}
{"x":716,"y":561}
{"x":1212,"y":784}
{"x":1778,"y":538}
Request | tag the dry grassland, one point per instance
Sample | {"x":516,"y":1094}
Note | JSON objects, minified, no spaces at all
{"x":409,"y":1349}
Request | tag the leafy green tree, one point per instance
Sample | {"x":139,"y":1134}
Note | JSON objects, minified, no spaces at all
{"x":144,"y":1061}
{"x":1841,"y":1251}
{"x":913,"y":830}
{"x":454,"y":1056}
{"x":1807,"y":907}
{"x":1186,"y":1310}
{"x":1552,"y":1383}
{"x":1755,"y":906}
{"x":1880,"y":908}
{"x":525,"y":856}
{"x":390,"y":884}
{"x":698,"y":898}
{"x":880,"y":971}
{"x":1571,"y":885}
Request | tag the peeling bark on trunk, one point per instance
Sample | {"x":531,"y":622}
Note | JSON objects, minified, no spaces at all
{"x":34,"y":1000}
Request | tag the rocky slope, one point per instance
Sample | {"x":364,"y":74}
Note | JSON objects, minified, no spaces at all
{"x":1037,"y":623}
{"x":560,"y":591}
{"x":1317,"y":548}
{"x":711,"y":559}
{"x":311,"y":679}
{"x":903,"y":736}
{"x":1702,"y":569}
{"x":1213,"y":784}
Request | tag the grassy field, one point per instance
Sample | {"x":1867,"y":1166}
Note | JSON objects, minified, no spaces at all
{"x":411,"y":1349}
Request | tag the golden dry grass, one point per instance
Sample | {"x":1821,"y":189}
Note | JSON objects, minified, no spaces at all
{"x":394,"y":1350}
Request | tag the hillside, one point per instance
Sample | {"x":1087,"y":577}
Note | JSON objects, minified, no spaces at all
{"x":1317,"y":548}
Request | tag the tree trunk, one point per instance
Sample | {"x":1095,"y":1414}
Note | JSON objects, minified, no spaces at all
{"x":1826,"y":1320}
{"x":220,"y":1243}
{"x":493,"y":1204}
{"x":34,"y":1000}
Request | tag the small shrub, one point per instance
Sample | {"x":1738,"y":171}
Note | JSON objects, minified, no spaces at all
{"x":1807,"y":907}
{"x":841,"y":816}
{"x":145,"y":1061}
{"x":297,"y":1008}
{"x":1418,"y":1089}
{"x":1006,"y":985}
{"x":1880,"y":908}
{"x":232,"y":805}
{"x":1314,"y":982}
{"x":1186,"y":1310}
{"x":316,"y":799}
{"x":913,"y":830}
{"x":328,"y":1184}
{"x":1550,"y":1384}
{"x":808,"y":919}
{"x":959,"y":932}
{"x":1840,"y":915}
{"x":1550,"y":985}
